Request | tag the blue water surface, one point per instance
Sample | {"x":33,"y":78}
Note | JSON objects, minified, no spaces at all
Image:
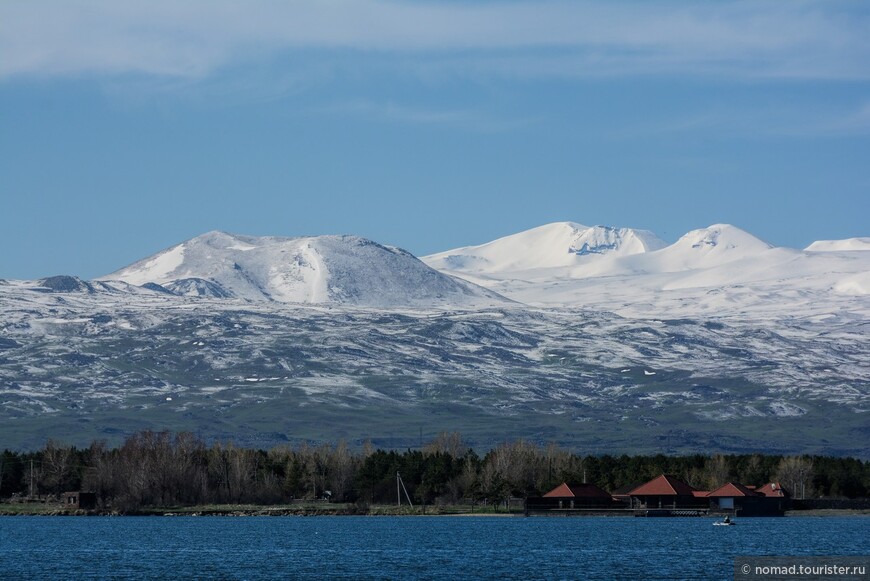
{"x":408,"y":547}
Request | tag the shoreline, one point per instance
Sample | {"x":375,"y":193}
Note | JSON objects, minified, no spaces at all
{"x":7,"y":510}
{"x":306,"y":510}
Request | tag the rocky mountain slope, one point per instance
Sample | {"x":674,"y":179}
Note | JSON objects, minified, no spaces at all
{"x":718,"y":342}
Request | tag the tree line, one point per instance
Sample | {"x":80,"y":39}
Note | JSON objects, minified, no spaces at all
{"x":163,"y":469}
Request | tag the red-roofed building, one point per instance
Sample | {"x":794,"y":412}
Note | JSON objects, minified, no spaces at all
{"x":579,"y":495}
{"x":732,"y":490}
{"x":730,"y":496}
{"x":774,"y":489}
{"x":667,"y":491}
{"x":735,"y":498}
{"x":575,"y":496}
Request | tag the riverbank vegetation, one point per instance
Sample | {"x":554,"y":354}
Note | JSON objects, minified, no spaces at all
{"x":161,"y":469}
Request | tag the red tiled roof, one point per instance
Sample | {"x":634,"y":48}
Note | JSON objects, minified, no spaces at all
{"x":577,"y":491}
{"x":700,"y":493}
{"x":773,"y":489}
{"x":561,"y":491}
{"x":732,"y":489}
{"x":664,"y":485}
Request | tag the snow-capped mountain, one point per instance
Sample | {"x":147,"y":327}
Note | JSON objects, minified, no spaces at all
{"x":567,"y":249}
{"x":318,"y":270}
{"x":706,"y":248}
{"x":845,"y":245}
{"x":718,"y":342}
{"x":82,"y":365}
{"x":557,"y":245}
{"x":716,"y":270}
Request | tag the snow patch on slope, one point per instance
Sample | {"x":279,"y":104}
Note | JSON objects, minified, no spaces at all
{"x":159,"y":267}
{"x":856,"y":285}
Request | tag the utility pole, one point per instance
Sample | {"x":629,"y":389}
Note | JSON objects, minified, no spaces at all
{"x":31,"y":479}
{"x":400,"y":485}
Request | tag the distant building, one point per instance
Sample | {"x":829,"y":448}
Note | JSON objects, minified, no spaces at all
{"x":667,"y":492}
{"x":579,"y":495}
{"x":732,"y":496}
{"x":574,"y":497}
{"x":773,"y":490}
{"x":735,"y":498}
{"x":665,"y":495}
{"x":80,"y":500}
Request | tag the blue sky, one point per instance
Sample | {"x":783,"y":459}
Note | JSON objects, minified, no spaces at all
{"x":126,"y":127}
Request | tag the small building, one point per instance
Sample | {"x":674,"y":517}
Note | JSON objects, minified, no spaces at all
{"x":773,"y":490}
{"x":79,"y":500}
{"x":574,"y":497}
{"x":735,"y":498}
{"x":731,"y":496}
{"x":580,"y":496}
{"x":667,"y":492}
{"x":776,"y":496}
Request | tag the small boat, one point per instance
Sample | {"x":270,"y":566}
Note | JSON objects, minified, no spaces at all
{"x":725,"y":522}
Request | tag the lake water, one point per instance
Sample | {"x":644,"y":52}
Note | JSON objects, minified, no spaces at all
{"x":408,"y":547}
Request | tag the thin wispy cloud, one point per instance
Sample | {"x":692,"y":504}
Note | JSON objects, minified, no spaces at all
{"x":194,"y":39}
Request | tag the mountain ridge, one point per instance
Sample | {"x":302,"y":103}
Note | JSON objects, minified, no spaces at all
{"x":861,"y":243}
{"x":720,"y":268}
{"x":716,"y":342}
{"x":558,"y":264}
{"x":328,"y":269}
{"x":558,"y":244}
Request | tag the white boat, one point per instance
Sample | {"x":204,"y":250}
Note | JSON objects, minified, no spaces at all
{"x":726,"y":522}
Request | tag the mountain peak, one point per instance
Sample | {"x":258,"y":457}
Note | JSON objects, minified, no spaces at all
{"x":554,"y":245}
{"x":721,"y":238}
{"x":64,"y":283}
{"x":316,"y":269}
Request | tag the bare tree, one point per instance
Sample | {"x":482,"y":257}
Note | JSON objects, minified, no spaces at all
{"x":797,"y":472}
{"x":243,"y":465}
{"x":218,"y":462}
{"x":716,"y":471}
{"x":513,"y":468}
{"x":101,"y":476}
{"x":57,"y":465}
{"x":562,"y":466}
{"x":449,"y":443}
{"x":342,"y":467}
